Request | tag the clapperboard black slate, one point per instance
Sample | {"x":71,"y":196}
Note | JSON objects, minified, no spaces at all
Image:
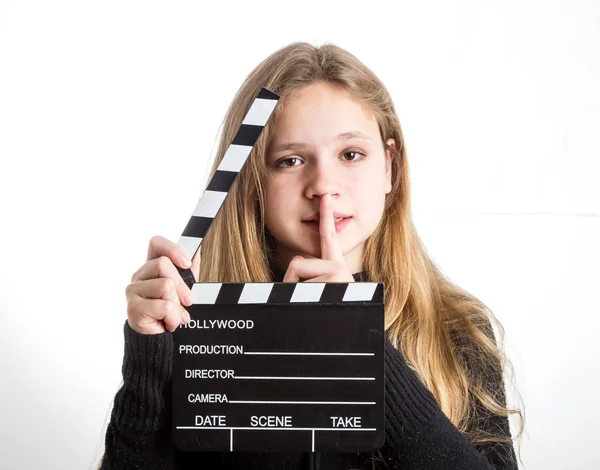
{"x":275,"y":366}
{"x":280,"y":367}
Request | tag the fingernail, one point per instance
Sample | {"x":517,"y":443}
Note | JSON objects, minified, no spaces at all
{"x":185,"y":316}
{"x":188,"y":298}
{"x":186,"y":262}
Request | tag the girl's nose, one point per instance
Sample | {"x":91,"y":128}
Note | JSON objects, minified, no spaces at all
{"x":322,"y":179}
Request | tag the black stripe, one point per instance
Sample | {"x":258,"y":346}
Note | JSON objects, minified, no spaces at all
{"x":222,"y":181}
{"x":267,"y":94}
{"x":197,"y":227}
{"x":230,"y":293}
{"x":281,"y":293}
{"x":247,"y":134}
{"x":378,"y":294}
{"x":333,"y":293}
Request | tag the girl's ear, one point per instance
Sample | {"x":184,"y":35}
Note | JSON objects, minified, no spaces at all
{"x":388,"y":165}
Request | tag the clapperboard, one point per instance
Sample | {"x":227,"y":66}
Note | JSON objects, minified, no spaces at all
{"x":275,"y":366}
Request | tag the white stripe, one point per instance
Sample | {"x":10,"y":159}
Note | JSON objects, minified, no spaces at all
{"x":210,"y":204}
{"x":359,"y":291}
{"x":308,"y":292}
{"x":190,"y":245}
{"x":205,"y":293}
{"x":259,"y":112}
{"x":235,"y":157}
{"x":256,"y":293}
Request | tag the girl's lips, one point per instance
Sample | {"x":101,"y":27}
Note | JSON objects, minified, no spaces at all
{"x":339,"y":226}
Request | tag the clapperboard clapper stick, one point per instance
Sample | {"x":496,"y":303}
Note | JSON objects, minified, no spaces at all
{"x":275,"y":366}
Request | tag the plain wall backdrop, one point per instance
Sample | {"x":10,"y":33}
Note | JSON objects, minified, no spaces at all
{"x":109,"y":115}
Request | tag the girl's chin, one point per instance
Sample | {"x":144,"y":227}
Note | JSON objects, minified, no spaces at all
{"x":308,"y":252}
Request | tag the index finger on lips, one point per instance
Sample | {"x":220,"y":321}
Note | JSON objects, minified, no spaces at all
{"x":330,"y":248}
{"x":161,"y":246}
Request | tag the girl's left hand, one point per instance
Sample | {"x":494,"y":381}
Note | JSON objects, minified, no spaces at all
{"x":331,"y":267}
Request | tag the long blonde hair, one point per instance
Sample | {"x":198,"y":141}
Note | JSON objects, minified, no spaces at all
{"x":444,"y":332}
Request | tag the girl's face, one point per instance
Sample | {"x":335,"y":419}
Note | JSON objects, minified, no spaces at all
{"x":325,"y":142}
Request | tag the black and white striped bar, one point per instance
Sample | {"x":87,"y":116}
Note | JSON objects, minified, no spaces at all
{"x":236,"y":155}
{"x":272,"y":367}
{"x":286,"y":292}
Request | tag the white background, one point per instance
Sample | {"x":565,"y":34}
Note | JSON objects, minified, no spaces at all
{"x":109,"y":114}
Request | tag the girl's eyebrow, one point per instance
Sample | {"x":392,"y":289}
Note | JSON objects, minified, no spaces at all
{"x":300,"y":145}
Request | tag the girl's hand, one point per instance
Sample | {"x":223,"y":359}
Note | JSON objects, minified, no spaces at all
{"x":157,"y":293}
{"x":332,"y":265}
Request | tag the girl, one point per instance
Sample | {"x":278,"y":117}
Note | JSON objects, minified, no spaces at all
{"x":323,"y":197}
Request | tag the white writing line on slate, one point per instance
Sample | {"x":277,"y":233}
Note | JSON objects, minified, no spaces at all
{"x":277,"y":353}
{"x":303,"y":378}
{"x":276,"y":429}
{"x":304,"y":402}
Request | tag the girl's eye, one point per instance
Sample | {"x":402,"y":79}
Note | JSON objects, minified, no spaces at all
{"x":280,"y":163}
{"x":284,"y":162}
{"x":355,"y":152}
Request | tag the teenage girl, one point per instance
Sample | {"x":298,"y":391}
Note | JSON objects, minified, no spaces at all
{"x":323,"y":197}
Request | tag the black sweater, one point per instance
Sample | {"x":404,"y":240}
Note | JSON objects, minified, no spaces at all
{"x":418,"y":435}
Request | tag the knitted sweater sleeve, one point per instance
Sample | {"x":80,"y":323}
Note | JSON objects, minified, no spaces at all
{"x":139,"y":434}
{"x":418,"y":435}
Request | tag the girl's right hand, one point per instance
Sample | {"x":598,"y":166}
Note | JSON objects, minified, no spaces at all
{"x":157,"y":293}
